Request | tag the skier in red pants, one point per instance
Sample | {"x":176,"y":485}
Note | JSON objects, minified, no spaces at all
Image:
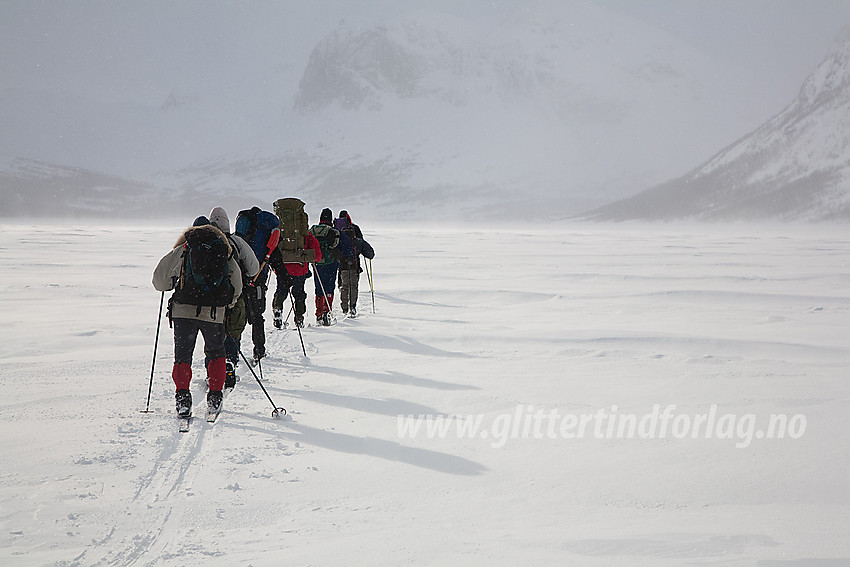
{"x":206,"y":282}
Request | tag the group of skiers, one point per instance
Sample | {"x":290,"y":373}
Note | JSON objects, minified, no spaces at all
{"x":220,"y":279}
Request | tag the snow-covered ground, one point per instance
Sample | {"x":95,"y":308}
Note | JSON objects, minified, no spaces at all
{"x":629,"y":385}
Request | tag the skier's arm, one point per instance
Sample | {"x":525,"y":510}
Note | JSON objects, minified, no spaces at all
{"x":247,"y":258}
{"x":313,"y":243}
{"x":366,"y":249}
{"x":168,"y":270}
{"x":276,"y":262}
{"x":235,"y":280}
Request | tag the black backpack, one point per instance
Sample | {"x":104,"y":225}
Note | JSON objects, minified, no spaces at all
{"x":350,"y":259}
{"x":205,"y":275}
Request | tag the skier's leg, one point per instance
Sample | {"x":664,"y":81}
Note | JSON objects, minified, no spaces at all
{"x":214,"y":349}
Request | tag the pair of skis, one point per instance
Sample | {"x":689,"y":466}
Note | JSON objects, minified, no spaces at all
{"x":184,"y":422}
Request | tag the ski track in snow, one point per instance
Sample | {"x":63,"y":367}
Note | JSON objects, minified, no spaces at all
{"x":480,"y":323}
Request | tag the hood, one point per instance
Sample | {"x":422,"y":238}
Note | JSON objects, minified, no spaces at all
{"x":204,"y":228}
{"x":218,"y":217}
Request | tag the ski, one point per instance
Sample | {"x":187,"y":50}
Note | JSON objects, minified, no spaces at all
{"x":213,"y":415}
{"x":184,"y":423}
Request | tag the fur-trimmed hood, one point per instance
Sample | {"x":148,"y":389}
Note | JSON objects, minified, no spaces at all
{"x":204,"y":228}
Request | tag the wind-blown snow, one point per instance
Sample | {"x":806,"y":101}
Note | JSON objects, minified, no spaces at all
{"x":466,"y":323}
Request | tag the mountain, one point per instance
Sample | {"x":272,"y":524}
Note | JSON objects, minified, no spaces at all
{"x":33,"y":188}
{"x":535,"y":111}
{"x":532,"y":117}
{"x":794,"y":167}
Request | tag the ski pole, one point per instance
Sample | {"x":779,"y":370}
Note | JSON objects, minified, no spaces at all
{"x":278,"y":411}
{"x":292,"y":299}
{"x":155,"y":343}
{"x":371,"y":284}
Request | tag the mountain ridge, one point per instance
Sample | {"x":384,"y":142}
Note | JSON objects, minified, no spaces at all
{"x":796,"y":166}
{"x":537,"y":114}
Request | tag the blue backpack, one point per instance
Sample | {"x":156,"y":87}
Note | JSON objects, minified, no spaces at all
{"x":255,"y":226}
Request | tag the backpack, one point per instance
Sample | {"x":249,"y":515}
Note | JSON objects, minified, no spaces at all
{"x":255,"y":226}
{"x":293,"y":231}
{"x":328,"y":238}
{"x":205,"y":274}
{"x":347,"y":245}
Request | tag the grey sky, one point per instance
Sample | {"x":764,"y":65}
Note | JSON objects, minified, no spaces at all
{"x":781,"y":38}
{"x":129,"y":49}
{"x":246,"y":57}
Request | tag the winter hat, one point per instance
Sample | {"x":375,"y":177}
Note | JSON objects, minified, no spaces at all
{"x":201,"y":221}
{"x":327,"y":217}
{"x":218,"y":217}
{"x":343,"y":214}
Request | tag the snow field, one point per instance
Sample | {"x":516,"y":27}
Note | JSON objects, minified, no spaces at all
{"x":468,"y":323}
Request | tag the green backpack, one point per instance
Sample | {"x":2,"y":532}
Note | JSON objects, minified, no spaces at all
{"x":293,"y":230}
{"x":328,"y":238}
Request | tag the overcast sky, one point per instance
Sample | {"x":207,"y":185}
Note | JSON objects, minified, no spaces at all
{"x":133,"y":49}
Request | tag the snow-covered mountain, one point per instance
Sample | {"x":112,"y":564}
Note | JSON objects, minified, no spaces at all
{"x":544,"y":110}
{"x":794,"y":167}
{"x":33,"y":188}
{"x":530,"y":117}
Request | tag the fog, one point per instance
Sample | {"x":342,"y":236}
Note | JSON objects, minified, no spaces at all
{"x":580,"y":102}
{"x":139,"y":52}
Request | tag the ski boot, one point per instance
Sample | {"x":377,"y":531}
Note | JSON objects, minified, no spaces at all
{"x":214,"y":401}
{"x":183,"y":399}
{"x":278,"y":319}
{"x":230,"y":375}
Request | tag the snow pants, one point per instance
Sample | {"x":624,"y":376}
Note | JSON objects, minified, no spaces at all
{"x":255,"y":305}
{"x":349,"y":287}
{"x":325,"y":280}
{"x":234,"y":324}
{"x":295,"y":284}
{"x":185,"y":337}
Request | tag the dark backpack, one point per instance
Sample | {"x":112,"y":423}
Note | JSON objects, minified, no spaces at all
{"x":293,"y":230}
{"x":347,"y":248}
{"x":255,"y":226}
{"x":328,"y":238}
{"x":205,"y":274}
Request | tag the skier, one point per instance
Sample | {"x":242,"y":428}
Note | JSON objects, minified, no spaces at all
{"x":260,"y":230}
{"x":237,"y":317}
{"x":291,"y":277}
{"x":325,"y":276}
{"x":206,"y":281}
{"x":349,"y":265}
